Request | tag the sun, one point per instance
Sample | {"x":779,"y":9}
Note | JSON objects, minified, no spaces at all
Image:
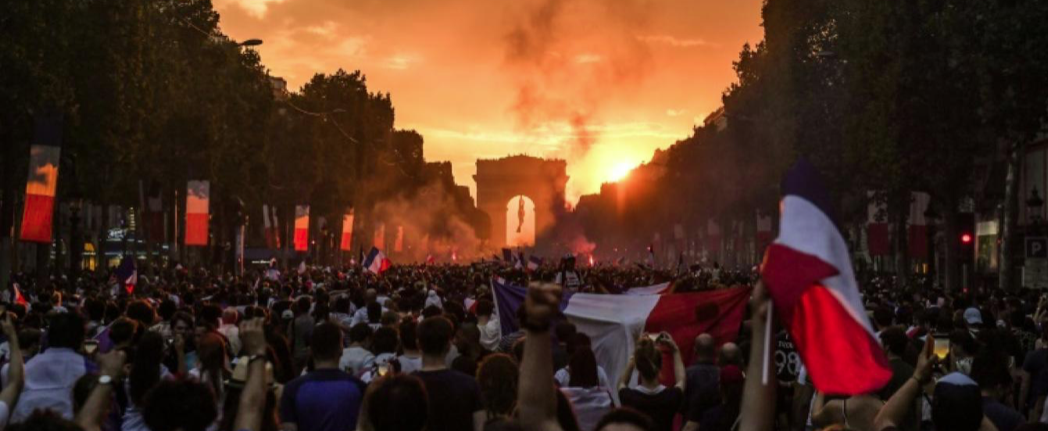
{"x":619,"y":171}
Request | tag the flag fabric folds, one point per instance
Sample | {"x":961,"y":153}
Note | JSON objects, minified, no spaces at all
{"x":126,"y":274}
{"x":347,"y":231}
{"x":614,"y":322}
{"x":534,"y":262}
{"x":809,"y":276}
{"x":301,"y":227}
{"x":376,"y":262}
{"x":44,"y":156}
{"x":198,"y":195}
{"x":269,"y":223}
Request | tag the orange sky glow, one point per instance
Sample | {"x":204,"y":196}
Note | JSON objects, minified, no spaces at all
{"x":600,"y":83}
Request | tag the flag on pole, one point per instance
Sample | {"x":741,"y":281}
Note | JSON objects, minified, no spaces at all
{"x":302,"y":267}
{"x":376,"y":261}
{"x":44,"y":156}
{"x":198,"y":195}
{"x":301,"y":227}
{"x":534,"y":262}
{"x":269,"y":221}
{"x":347,"y":231}
{"x":430,"y":259}
{"x":809,"y":276}
{"x":19,"y":298}
{"x":126,"y":274}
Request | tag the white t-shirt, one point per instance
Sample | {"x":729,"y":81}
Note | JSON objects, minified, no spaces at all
{"x":563,"y":376}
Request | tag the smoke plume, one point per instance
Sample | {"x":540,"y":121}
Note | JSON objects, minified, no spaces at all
{"x":570,"y":57}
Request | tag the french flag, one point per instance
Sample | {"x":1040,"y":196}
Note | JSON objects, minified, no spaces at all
{"x":809,"y":276}
{"x":301,"y":228}
{"x":615,"y":322}
{"x":44,"y":155}
{"x":198,"y":198}
{"x":534,"y":262}
{"x":376,"y":261}
{"x":126,"y":274}
{"x":347,"y":231}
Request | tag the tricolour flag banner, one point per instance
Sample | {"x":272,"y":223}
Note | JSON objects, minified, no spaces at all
{"x":918,"y":229}
{"x":269,"y":223}
{"x":198,"y":195}
{"x":126,"y":274}
{"x":534,"y":262}
{"x":376,"y":261}
{"x":301,"y":227}
{"x":615,"y":322}
{"x":347,"y":232}
{"x":44,"y":156}
{"x":809,"y":276}
{"x":878,"y":241}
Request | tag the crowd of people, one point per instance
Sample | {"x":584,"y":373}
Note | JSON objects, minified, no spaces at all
{"x":422,"y":348}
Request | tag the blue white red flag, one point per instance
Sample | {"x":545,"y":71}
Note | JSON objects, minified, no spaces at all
{"x":809,"y":276}
{"x":615,"y":322}
{"x":376,"y":261}
{"x":126,"y":274}
{"x":534,"y":262}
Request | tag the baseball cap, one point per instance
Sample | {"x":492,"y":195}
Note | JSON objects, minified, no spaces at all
{"x":973,"y":316}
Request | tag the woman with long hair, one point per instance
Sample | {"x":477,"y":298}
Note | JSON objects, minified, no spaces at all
{"x":146,"y":371}
{"x":590,"y":399}
{"x":213,"y":367}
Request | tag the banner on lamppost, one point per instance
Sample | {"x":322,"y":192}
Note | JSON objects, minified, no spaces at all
{"x":347,"y":231}
{"x":301,"y":227}
{"x":44,"y":156}
{"x":198,"y":197}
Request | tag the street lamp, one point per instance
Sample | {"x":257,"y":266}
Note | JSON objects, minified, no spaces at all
{"x":251,"y":42}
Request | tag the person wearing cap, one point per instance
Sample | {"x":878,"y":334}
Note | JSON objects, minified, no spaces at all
{"x":974,"y":319}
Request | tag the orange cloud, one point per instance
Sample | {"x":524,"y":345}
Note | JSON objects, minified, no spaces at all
{"x":585,"y":80}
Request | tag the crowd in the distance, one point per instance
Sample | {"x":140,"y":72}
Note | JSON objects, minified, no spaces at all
{"x":422,"y":348}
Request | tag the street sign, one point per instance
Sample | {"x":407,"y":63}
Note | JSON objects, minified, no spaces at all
{"x":1037,"y":247}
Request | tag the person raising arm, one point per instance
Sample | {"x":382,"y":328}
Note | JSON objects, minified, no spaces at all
{"x":252,"y":400}
{"x":16,"y":372}
{"x":538,"y":405}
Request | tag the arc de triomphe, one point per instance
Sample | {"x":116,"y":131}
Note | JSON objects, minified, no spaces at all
{"x":500,"y":180}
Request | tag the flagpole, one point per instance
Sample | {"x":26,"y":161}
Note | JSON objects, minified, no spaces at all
{"x":767,"y":347}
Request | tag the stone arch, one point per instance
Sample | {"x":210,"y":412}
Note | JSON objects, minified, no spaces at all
{"x":520,"y":232}
{"x":499,"y":180}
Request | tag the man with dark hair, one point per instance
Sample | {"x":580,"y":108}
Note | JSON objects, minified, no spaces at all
{"x":398,"y":403}
{"x":299,"y":332}
{"x":895,"y":343}
{"x":411,"y":359}
{"x":179,"y":405}
{"x":51,"y":375}
{"x":990,"y":372}
{"x":326,"y":399}
{"x":357,"y":358}
{"x":454,"y":398}
{"x":625,"y":419}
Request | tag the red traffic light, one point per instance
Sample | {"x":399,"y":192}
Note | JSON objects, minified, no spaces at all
{"x":966,"y":238}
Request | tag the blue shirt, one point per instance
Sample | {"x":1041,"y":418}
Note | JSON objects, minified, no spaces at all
{"x":324,"y":400}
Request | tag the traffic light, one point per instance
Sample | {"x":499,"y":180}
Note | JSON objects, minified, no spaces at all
{"x":966,"y":238}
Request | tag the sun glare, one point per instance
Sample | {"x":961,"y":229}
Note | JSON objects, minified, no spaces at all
{"x":619,"y":171}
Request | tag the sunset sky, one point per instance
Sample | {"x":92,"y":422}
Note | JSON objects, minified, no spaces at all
{"x":601,"y":83}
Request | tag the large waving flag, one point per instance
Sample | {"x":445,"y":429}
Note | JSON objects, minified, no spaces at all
{"x":809,"y":276}
{"x":376,"y":261}
{"x":198,"y":197}
{"x":44,"y":156}
{"x":301,"y":241}
{"x":347,"y":231}
{"x":614,"y":322}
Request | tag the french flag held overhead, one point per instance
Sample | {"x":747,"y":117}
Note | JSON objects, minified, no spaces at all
{"x":347,"y":231}
{"x":809,"y":276}
{"x":198,"y":197}
{"x":376,"y":261}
